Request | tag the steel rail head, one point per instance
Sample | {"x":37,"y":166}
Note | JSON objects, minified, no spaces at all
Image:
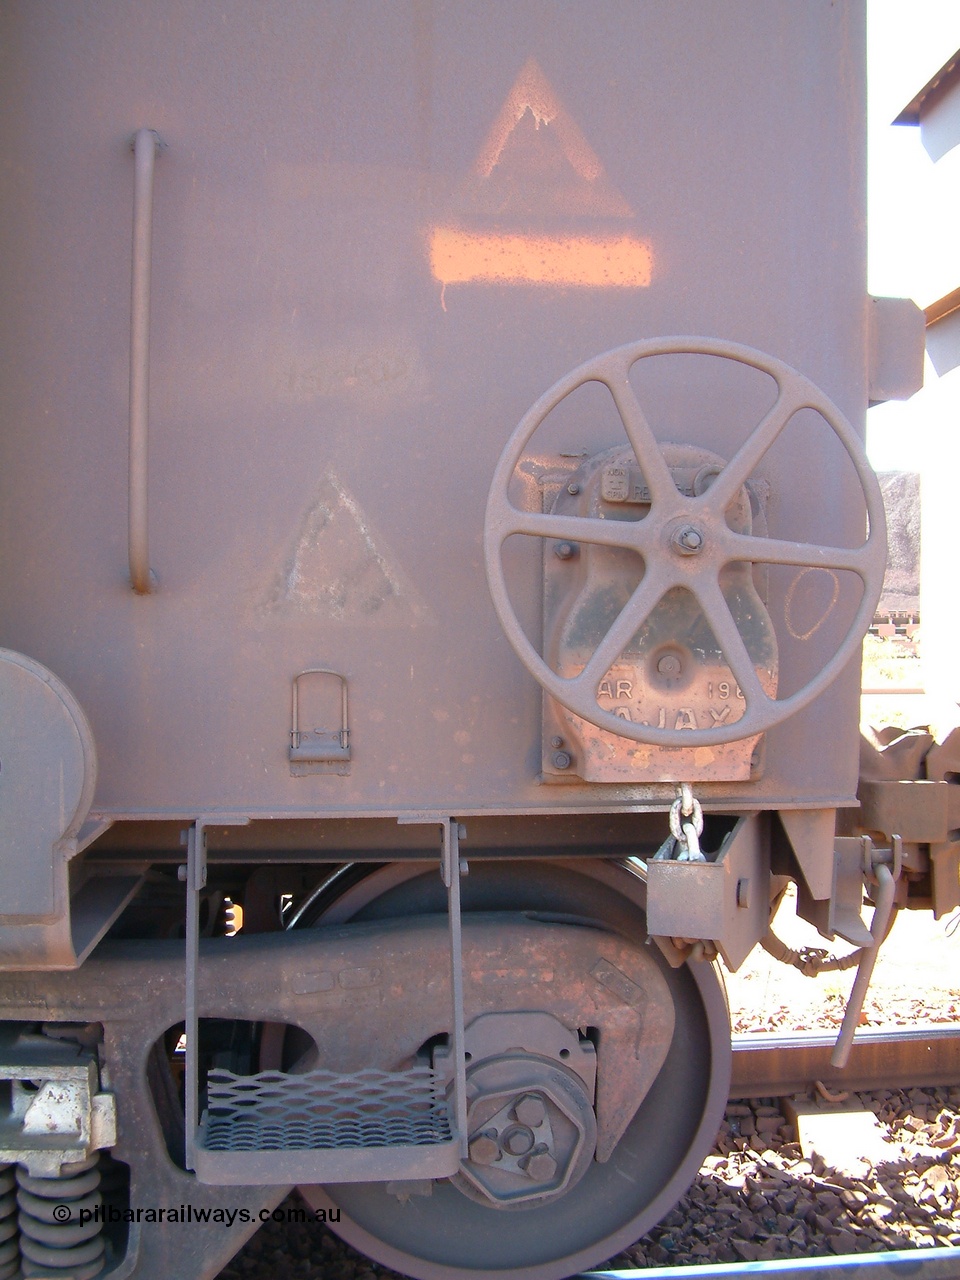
{"x":918,"y":1264}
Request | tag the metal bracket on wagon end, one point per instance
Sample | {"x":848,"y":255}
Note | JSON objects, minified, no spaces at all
{"x":319,"y":750}
{"x":725,"y":900}
{"x":49,"y":764}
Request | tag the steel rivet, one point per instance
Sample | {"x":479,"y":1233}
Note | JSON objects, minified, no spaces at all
{"x":562,"y":760}
{"x":573,"y":488}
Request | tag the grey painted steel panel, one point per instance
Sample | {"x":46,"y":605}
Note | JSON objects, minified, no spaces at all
{"x":322,"y":407}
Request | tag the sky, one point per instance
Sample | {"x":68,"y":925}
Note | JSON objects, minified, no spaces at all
{"x":913,"y":217}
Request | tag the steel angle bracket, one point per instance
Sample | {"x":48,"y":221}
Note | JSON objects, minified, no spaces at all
{"x":725,"y":900}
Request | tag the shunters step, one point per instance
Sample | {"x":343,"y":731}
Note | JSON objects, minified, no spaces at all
{"x":276,"y":1128}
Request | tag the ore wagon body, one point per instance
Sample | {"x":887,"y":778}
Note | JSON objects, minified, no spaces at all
{"x":381,"y":779}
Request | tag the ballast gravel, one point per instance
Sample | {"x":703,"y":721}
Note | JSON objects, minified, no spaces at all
{"x":757,"y":1197}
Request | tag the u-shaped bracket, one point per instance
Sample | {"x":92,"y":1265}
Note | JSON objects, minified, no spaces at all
{"x":315,"y":746}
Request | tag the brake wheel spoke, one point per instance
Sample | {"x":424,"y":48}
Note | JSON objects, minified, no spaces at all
{"x":605,"y":533}
{"x":646,"y":450}
{"x":803,"y":554}
{"x":744,"y":462}
{"x":631,"y":618}
{"x":727,"y":633}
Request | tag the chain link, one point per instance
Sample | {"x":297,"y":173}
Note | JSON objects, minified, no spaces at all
{"x":686,"y":824}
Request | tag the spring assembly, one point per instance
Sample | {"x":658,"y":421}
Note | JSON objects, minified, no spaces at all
{"x":9,"y":1244}
{"x":56,"y":1236}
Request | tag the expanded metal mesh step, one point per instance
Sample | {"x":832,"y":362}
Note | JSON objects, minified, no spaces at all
{"x":274,"y":1128}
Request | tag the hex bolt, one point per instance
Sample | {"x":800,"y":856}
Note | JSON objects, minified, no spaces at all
{"x":573,"y":488}
{"x":565,"y":550}
{"x":541,"y":1166}
{"x":518,"y":1140}
{"x":669,"y":665}
{"x":556,"y":741}
{"x":562,"y":760}
{"x":484,"y":1149}
{"x":530,"y":1110}
{"x":688,"y":540}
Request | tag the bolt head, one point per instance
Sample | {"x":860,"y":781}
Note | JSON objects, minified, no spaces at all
{"x":556,"y":741}
{"x":688,"y":540}
{"x":573,"y":488}
{"x":565,"y":550}
{"x":484,"y":1149}
{"x":541,"y":1166}
{"x":530,"y":1110}
{"x":562,"y":760}
{"x":518,"y":1140}
{"x":669,"y":665}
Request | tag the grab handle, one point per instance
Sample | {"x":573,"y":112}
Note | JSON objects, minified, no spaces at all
{"x":146,"y":143}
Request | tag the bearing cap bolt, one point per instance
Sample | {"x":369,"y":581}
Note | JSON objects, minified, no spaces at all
{"x":484,"y":1149}
{"x":518,"y":1140}
{"x":540,"y":1166}
{"x":530,"y":1111}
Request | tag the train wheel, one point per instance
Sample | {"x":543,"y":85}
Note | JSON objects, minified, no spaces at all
{"x":436,"y":1231}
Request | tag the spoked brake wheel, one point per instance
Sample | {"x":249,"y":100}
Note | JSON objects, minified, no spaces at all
{"x":684,"y":541}
{"x":445,"y":1234}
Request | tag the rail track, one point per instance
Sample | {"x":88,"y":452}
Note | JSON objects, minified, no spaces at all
{"x":775,"y":1066}
{"x":932,"y":1264}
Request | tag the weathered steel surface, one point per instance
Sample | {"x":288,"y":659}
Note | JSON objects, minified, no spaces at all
{"x":333,"y":982}
{"x":774,"y":1066}
{"x":687,"y":542}
{"x":672,"y":673}
{"x":378,"y":233}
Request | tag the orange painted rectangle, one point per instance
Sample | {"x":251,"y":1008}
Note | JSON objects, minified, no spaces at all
{"x":600,"y":262}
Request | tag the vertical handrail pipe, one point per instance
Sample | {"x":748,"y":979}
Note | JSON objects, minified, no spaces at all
{"x":145,"y":145}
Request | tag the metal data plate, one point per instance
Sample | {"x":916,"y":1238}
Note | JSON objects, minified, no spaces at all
{"x":673,"y":673}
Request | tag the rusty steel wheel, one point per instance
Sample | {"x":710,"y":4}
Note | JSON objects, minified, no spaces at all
{"x":447,"y":1234}
{"x":684,"y":541}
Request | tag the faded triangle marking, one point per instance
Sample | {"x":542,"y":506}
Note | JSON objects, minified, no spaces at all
{"x":537,"y":207}
{"x":339,"y":569}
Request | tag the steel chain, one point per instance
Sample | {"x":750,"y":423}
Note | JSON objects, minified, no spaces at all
{"x":686,"y":824}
